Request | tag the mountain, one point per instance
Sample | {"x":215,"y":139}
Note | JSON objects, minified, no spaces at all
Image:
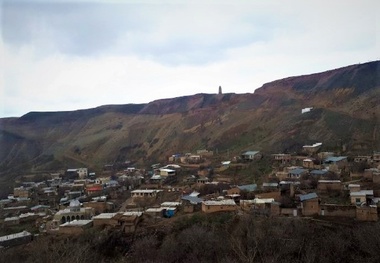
{"x":346,"y":109}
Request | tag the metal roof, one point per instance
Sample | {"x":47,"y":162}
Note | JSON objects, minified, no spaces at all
{"x":192,"y":199}
{"x":318,"y":172}
{"x":297,"y":171}
{"x":335,"y":158}
{"x":308,"y":197}
{"x":221,"y":202}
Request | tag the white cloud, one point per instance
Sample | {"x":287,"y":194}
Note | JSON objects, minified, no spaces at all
{"x":70,"y":56}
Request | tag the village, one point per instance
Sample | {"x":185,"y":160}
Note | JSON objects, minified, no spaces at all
{"x":316,"y":185}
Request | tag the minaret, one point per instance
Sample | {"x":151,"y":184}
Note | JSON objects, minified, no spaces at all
{"x":220,"y":90}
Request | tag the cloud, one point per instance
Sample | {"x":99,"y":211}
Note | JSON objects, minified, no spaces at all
{"x":70,"y":55}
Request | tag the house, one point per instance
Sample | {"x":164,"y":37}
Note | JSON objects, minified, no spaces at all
{"x":297,"y":173}
{"x":319,"y":173}
{"x":310,"y":149}
{"x":368,"y":173}
{"x":376,"y":177}
{"x":75,"y":227}
{"x":227,"y":205}
{"x":258,"y":205}
{"x":21,"y":238}
{"x":362,"y":159}
{"x":147,"y":193}
{"x":191,"y":203}
{"x":270,"y":186}
{"x":367,"y":213}
{"x":336,"y":162}
{"x":282,"y":157}
{"x":165,"y":172}
{"x":99,"y":206}
{"x":309,"y":204}
{"x":325,"y":186}
{"x":129,"y":220}
{"x":105,"y":219}
{"x":22,"y":192}
{"x":376,"y":157}
{"x":251,"y":155}
{"x":94,"y":189}
{"x":155,"y":212}
{"x":202,"y":180}
{"x":353,"y":187}
{"x":361,"y":197}
{"x":11,"y":221}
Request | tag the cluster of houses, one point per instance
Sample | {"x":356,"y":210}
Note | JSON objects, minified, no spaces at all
{"x":299,"y":186}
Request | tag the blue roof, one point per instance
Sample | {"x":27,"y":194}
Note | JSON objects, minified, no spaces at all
{"x":318,"y":172}
{"x":335,"y":159}
{"x":248,"y":187}
{"x":297,"y":171}
{"x":308,"y":196}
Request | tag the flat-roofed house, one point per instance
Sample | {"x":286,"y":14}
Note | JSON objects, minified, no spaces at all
{"x":226,"y":205}
{"x":251,"y":155}
{"x":361,"y":197}
{"x":310,"y":204}
{"x":325,"y":186}
{"x":145,"y":193}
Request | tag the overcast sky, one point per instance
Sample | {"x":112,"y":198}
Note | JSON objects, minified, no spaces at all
{"x":67,"y":55}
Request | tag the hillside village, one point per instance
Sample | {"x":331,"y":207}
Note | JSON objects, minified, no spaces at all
{"x":313,"y":185}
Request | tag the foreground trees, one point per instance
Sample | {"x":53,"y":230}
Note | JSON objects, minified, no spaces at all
{"x":213,"y":238}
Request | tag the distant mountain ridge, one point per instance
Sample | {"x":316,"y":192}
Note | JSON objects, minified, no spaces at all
{"x":346,"y":104}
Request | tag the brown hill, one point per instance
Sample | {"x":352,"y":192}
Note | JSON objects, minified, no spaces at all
{"x":346,"y":112}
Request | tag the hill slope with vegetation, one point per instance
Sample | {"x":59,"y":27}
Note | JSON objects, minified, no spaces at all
{"x":346,"y":109}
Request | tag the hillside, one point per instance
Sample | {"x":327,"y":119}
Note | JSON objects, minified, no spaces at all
{"x":346,"y":112}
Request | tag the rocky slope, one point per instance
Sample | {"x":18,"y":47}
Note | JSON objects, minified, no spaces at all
{"x":346,"y":104}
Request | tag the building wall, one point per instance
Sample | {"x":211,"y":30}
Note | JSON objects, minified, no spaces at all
{"x":310,"y":207}
{"x":376,"y":178}
{"x":338,"y":210}
{"x":16,"y":241}
{"x":99,"y":207}
{"x":326,"y":187}
{"x":105,"y":222}
{"x":218,"y":208}
{"x":357,"y":199}
{"x":276,"y":195}
{"x":367,"y":213}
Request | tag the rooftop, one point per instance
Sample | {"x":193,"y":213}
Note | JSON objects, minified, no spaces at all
{"x":308,"y":196}
{"x":105,"y":216}
{"x":221,"y":202}
{"x":334,"y":159}
{"x":76,"y":223}
{"x":16,"y":235}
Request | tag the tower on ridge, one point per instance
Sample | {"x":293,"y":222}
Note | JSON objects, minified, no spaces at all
{"x":220,"y":90}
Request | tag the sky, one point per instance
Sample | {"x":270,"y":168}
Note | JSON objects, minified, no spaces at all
{"x":61,"y":55}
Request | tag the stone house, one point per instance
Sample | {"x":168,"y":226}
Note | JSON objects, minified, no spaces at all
{"x":376,"y":157}
{"x":325,"y":186}
{"x":75,"y":227}
{"x":367,"y":213}
{"x":226,"y":205}
{"x":251,"y":155}
{"x":105,"y":219}
{"x":282,"y":157}
{"x":360,"y":197}
{"x":310,"y":204}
